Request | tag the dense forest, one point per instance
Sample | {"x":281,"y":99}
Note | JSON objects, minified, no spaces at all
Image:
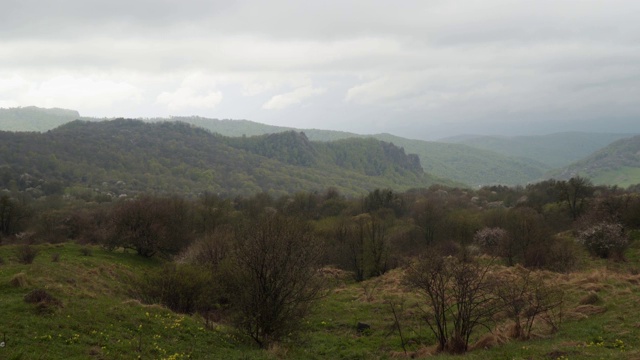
{"x":126,"y":157}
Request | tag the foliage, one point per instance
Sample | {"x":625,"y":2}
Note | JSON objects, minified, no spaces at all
{"x":103,"y":160}
{"x":12,"y":216}
{"x":491,"y":240}
{"x":605,"y":240}
{"x":575,"y":192}
{"x":151,"y":225}
{"x":182,"y":288}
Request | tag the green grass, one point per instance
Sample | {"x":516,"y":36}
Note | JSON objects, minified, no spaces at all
{"x":623,"y":177}
{"x":99,"y":320}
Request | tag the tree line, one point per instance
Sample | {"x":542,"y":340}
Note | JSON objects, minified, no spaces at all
{"x":252,"y":261}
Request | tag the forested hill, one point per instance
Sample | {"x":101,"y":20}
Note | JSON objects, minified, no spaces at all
{"x":470,"y":160}
{"x":616,"y":164}
{"x":128,"y":156}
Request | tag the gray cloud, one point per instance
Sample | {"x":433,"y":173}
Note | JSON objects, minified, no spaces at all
{"x":419,"y":68}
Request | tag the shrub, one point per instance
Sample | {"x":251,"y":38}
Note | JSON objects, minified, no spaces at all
{"x":274,"y":278}
{"x":26,"y":254}
{"x":181,"y":288}
{"x":491,"y":239}
{"x":456,"y":293}
{"x":605,"y":240}
{"x":86,"y":251}
{"x":45,"y":302}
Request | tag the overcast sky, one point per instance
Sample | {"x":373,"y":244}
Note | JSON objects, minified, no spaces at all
{"x":421,"y":69}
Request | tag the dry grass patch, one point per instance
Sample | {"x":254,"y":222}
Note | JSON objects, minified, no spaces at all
{"x":19,"y":280}
{"x":590,"y":299}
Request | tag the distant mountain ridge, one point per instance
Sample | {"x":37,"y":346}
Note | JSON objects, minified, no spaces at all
{"x":553,"y":150}
{"x":32,"y":118}
{"x":132,"y":156}
{"x":468,"y":159}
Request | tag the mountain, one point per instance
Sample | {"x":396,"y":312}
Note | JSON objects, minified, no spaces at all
{"x":33,"y":118}
{"x":458,"y":162}
{"x":469,"y":159}
{"x":554,"y":150}
{"x":129,"y":156}
{"x":616,"y":164}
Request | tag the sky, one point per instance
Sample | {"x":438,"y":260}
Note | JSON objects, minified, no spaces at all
{"x":423,"y":69}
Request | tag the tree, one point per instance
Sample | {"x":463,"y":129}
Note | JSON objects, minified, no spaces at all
{"x":575,"y":192}
{"x":151,"y":225}
{"x":11,"y":214}
{"x":274,"y":277}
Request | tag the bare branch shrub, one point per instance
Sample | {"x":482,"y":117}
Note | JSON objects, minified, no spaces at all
{"x":274,"y":279}
{"x":458,"y":297}
{"x":524,"y":296}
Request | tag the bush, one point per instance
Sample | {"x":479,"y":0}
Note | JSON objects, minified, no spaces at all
{"x":274,"y":279}
{"x":181,"y":288}
{"x":605,"y":240}
{"x":45,"y":302}
{"x":491,"y":239}
{"x":457,"y":293}
{"x":26,"y":254}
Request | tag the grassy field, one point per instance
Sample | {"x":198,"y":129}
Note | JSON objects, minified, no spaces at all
{"x":623,"y":177}
{"x":95,"y":316}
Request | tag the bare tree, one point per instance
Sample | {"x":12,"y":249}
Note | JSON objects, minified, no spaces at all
{"x":274,"y":275}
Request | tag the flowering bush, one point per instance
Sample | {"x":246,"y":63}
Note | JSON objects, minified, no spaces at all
{"x":490,"y":239}
{"x":604,"y":239}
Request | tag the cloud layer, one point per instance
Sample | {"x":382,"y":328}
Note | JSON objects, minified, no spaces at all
{"x":420,"y":68}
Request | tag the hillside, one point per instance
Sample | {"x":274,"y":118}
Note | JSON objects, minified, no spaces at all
{"x":129,"y":156}
{"x":553,"y":150}
{"x":470,"y":160}
{"x":458,"y":162}
{"x":469,"y":165}
{"x":32,"y":118}
{"x":94,"y":315}
{"x":616,"y":164}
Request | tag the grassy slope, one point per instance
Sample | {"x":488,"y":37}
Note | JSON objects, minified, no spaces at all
{"x":99,"y":320}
